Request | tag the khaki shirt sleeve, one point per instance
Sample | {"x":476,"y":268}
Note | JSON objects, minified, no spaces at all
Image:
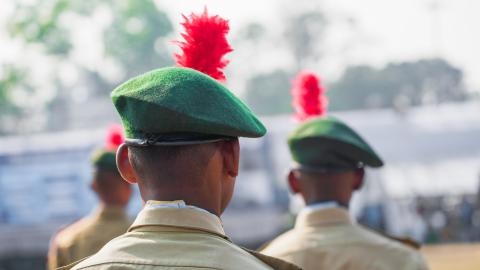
{"x":52,"y":258}
{"x":70,"y":266}
{"x":422,"y":263}
{"x":57,"y":257}
{"x":416,"y":262}
{"x":273,"y":262}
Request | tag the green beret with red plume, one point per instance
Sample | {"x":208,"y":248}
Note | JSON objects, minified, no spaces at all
{"x":322,"y":143}
{"x":187,"y":104}
{"x":104,"y":158}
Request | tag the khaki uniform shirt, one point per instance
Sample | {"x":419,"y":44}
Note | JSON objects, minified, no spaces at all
{"x":87,"y":236}
{"x":176,"y":238}
{"x":329,"y":239}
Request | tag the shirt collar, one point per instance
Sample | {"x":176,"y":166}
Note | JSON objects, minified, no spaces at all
{"x":323,"y":217}
{"x":177,"y":214}
{"x":179,"y":204}
{"x":320,"y":205}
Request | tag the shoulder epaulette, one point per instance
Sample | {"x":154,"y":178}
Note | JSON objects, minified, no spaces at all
{"x":404,"y":240}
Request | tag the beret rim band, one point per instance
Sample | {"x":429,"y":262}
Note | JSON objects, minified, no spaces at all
{"x":175,"y":142}
{"x":325,"y":169}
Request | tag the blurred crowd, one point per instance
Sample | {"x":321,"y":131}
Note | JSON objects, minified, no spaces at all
{"x":438,"y":219}
{"x":450,"y":218}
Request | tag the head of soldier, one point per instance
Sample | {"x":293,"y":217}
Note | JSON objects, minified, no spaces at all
{"x":202,"y":174}
{"x":315,"y":187}
{"x":107,"y":182}
{"x":182,"y":130}
{"x":330,"y":158}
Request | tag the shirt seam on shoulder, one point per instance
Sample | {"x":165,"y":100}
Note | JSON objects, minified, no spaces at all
{"x":203,"y":233}
{"x":194,"y":231}
{"x":149,"y":264}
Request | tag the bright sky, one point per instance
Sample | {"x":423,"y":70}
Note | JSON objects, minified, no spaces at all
{"x":385,"y":30}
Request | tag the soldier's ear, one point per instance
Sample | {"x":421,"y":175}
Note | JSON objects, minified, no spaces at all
{"x":294,"y":182}
{"x":358,"y":178}
{"x":231,"y":156}
{"x":125,"y":167}
{"x":94,"y":186}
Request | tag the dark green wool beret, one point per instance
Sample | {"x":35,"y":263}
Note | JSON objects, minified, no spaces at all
{"x":326,"y":144}
{"x":104,"y":159}
{"x":180,"y":106}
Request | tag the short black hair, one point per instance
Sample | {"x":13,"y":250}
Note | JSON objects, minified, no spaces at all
{"x":105,"y":177}
{"x":167,"y":159}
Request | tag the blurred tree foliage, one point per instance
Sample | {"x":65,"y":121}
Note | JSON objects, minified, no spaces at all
{"x":40,"y":24}
{"x":397,"y":86}
{"x":415,"y":83}
{"x":253,"y":32}
{"x":12,"y":79}
{"x":9,"y":79}
{"x":269,"y":94}
{"x":133,"y":38}
{"x":304,"y":33}
{"x":134,"y":41}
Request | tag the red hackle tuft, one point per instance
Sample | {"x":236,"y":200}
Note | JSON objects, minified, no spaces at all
{"x":308,"y":96}
{"x":114,"y":137}
{"x":205,"y":44}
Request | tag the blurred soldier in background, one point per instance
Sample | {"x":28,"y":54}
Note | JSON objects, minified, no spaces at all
{"x":182,"y":149}
{"x":108,"y":221}
{"x":330,"y":159}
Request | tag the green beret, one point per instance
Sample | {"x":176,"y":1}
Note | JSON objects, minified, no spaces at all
{"x":104,"y":159}
{"x":180,"y":106}
{"x":325,"y":144}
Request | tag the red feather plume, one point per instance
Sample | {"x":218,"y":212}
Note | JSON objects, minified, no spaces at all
{"x":308,"y":96}
{"x":205,"y":44}
{"x":114,"y":137}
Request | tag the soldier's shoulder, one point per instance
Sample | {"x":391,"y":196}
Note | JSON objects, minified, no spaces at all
{"x":273,"y":262}
{"x":389,"y":250}
{"x":71,"y":265}
{"x":406,"y":241}
{"x":133,"y":249}
{"x":286,"y":243}
{"x":68,"y":233}
{"x":394,"y":243}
